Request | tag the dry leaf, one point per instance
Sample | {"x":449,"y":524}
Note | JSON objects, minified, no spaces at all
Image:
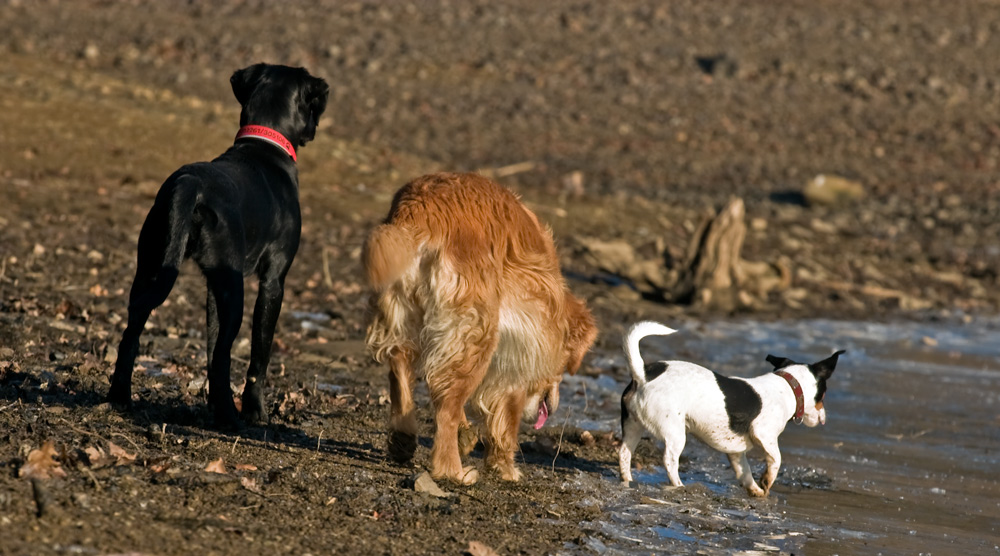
{"x":160,"y":466}
{"x":42,"y":464}
{"x":293,"y":401}
{"x":216,"y":467}
{"x":250,"y":484}
{"x":121,"y":456}
{"x":477,"y":548}
{"x":245,"y":467}
{"x":96,"y":457}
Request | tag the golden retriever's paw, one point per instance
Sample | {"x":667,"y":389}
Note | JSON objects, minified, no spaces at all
{"x":511,"y":474}
{"x":469,"y":475}
{"x":465,"y":476}
{"x":467,"y":439}
{"x":402,"y":446}
{"x":756,"y":491}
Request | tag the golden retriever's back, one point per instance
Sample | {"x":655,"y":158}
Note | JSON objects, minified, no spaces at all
{"x":466,"y":216}
{"x":468,"y":295}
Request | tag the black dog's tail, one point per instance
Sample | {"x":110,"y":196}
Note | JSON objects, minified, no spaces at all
{"x":180,"y":219}
{"x":166,"y":233}
{"x":639,"y":331}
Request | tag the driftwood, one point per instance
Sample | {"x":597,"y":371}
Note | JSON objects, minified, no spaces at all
{"x":712,"y":274}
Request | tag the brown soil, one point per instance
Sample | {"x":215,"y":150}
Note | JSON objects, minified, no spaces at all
{"x":664,"y":110}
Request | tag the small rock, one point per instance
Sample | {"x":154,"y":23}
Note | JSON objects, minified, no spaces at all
{"x":477,"y":548}
{"x":424,"y":483}
{"x":832,"y":191}
{"x":616,"y":256}
{"x":573,"y":183}
{"x":91,"y":51}
{"x":81,"y":500}
{"x":626,"y":293}
{"x":111,"y":355}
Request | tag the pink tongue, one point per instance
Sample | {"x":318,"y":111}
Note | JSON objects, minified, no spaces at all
{"x":543,"y":414}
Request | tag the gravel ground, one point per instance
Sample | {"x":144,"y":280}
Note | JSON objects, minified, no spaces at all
{"x":614,"y":120}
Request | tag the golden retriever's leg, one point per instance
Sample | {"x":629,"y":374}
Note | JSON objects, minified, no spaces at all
{"x":503,"y":425}
{"x":467,"y":437}
{"x":402,"y":414}
{"x":446,"y":461}
{"x":450,"y":389}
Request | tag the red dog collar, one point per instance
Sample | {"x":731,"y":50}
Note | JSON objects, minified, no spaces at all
{"x":800,"y":406}
{"x":269,"y":135}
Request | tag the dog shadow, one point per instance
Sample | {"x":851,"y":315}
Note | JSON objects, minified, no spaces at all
{"x":166,"y":410}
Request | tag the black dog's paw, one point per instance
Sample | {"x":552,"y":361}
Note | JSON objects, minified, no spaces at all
{"x":253,"y":407}
{"x":120,"y":397}
{"x":402,"y":446}
{"x":226,"y":416}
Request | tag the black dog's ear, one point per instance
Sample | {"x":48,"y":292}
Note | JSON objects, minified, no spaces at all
{"x":823,"y":369}
{"x":313,"y":103}
{"x":244,"y":82}
{"x":780,"y":362}
{"x":316,"y":97}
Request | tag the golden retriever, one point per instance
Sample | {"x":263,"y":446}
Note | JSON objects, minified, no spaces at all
{"x":468,"y":295}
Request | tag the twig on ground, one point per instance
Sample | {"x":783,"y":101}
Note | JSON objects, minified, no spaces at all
{"x":130,"y":441}
{"x":559,"y":444}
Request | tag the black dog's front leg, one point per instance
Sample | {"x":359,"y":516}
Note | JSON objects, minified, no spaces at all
{"x":225,"y":315}
{"x":265,"y":319}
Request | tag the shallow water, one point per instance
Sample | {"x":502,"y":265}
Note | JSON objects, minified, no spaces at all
{"x":907,"y":463}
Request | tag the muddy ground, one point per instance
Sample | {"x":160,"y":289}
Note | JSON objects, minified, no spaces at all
{"x":623,"y":120}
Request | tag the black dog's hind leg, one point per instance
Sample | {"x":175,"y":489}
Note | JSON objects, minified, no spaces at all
{"x":265,"y":319}
{"x":156,"y":272}
{"x":225,"y":316}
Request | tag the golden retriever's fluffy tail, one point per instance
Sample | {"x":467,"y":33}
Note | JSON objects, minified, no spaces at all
{"x":388,"y":251}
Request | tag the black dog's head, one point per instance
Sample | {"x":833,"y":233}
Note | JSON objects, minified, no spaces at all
{"x":285,"y":99}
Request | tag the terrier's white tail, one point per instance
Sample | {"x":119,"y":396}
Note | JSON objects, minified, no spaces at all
{"x":639,"y":331}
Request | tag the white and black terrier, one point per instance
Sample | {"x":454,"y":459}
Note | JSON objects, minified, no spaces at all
{"x":732,"y":415}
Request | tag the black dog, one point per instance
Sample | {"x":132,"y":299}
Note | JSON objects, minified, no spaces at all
{"x":235,"y":216}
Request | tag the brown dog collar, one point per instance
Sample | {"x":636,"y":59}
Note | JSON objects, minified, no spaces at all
{"x":269,"y":135}
{"x":800,"y":406}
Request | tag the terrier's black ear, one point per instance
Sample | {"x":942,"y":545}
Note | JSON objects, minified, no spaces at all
{"x":823,"y":369}
{"x":244,"y":82}
{"x":780,"y":362}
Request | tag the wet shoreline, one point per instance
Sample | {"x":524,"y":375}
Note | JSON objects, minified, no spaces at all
{"x":905,"y":464}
